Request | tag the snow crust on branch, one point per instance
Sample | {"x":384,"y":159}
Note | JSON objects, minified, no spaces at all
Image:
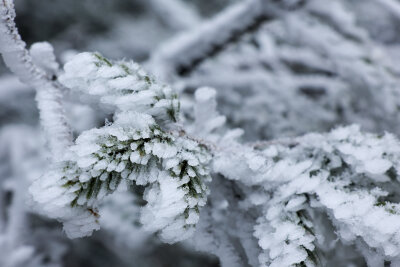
{"x":133,"y":149}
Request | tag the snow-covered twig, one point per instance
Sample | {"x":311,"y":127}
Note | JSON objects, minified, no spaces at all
{"x":182,"y":54}
{"x":20,"y":62}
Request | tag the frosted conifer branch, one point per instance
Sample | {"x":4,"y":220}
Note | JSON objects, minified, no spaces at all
{"x":350,"y":176}
{"x":20,"y":62}
{"x":133,"y":149}
{"x":346,"y":173}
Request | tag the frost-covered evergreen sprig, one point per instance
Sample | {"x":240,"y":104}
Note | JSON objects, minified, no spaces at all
{"x":296,"y":202}
{"x":122,"y":84}
{"x":134,"y":149}
{"x":349,"y":175}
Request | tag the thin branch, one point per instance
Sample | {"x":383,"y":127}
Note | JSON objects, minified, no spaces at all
{"x":182,"y":54}
{"x":20,"y":62}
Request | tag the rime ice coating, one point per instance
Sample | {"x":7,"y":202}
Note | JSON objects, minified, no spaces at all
{"x":134,"y":149}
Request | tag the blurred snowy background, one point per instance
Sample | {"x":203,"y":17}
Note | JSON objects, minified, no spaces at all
{"x":325,"y":64}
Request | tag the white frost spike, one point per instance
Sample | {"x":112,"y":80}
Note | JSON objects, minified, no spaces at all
{"x":43,"y":55}
{"x":207,"y":119}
